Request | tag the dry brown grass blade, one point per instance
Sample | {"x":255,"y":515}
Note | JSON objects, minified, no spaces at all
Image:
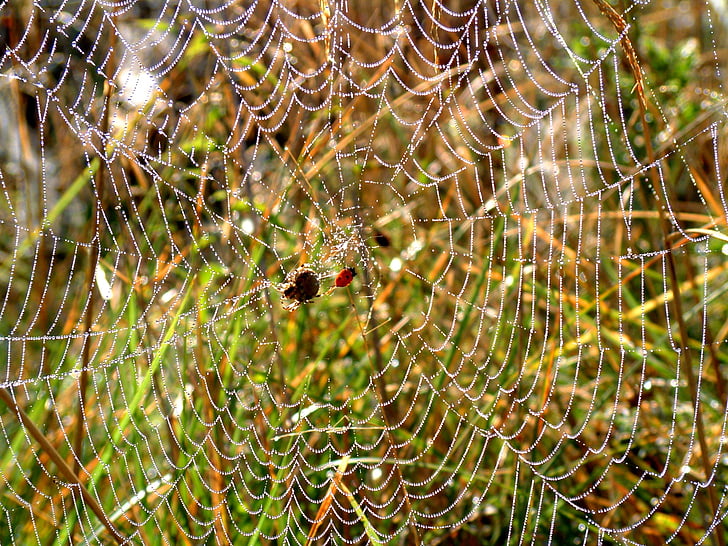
{"x":216,"y":469}
{"x":715,"y":206}
{"x":328,"y":500}
{"x":620,"y":26}
{"x":65,"y":470}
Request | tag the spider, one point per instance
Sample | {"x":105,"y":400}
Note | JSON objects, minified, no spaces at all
{"x":301,"y":286}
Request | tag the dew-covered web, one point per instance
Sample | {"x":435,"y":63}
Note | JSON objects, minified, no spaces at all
{"x":531,"y":194}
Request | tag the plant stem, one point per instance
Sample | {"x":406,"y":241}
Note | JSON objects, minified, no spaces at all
{"x":65,"y":470}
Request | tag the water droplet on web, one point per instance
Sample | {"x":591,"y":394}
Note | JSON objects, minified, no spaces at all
{"x":248,"y":226}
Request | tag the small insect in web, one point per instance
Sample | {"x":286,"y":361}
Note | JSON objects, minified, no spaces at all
{"x":345,"y":277}
{"x":301,"y":286}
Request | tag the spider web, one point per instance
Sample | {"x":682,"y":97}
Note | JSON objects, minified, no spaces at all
{"x":531,"y":194}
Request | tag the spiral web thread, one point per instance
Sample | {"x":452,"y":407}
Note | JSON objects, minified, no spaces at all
{"x":531,"y":194}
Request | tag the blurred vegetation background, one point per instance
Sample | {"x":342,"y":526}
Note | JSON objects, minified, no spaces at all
{"x":534,"y":347}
